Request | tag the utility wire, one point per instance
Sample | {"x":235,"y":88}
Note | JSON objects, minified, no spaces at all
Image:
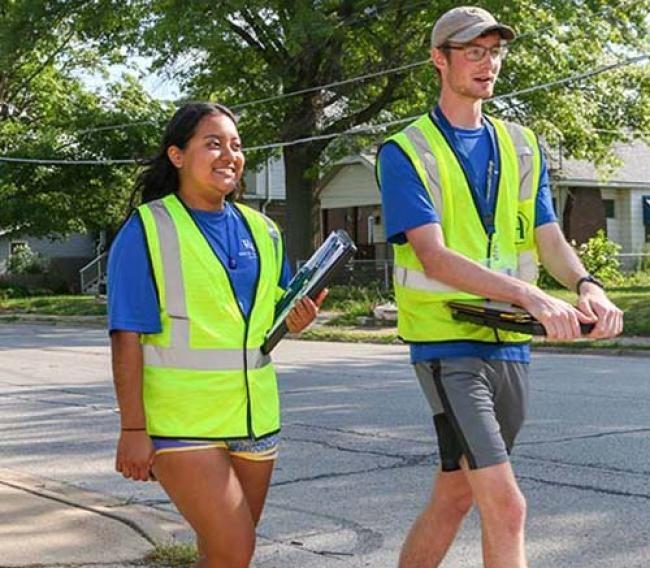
{"x":399,"y":69}
{"x":359,"y":130}
{"x":355,"y":79}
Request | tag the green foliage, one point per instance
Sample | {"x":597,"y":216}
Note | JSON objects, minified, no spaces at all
{"x":47,"y":47}
{"x":353,"y":302}
{"x":545,"y":281}
{"x":177,"y":555}
{"x":8,"y":291}
{"x":598,"y":255}
{"x":243,"y":52}
{"x":52,"y":305}
{"x":23,"y":260}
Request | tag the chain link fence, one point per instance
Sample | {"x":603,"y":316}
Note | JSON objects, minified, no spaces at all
{"x":379,"y":273}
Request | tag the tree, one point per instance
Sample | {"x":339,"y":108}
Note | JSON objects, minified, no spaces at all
{"x":236,"y":52}
{"x":48,"y":112}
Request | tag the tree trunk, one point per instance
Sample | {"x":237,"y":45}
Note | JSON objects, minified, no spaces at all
{"x":300,"y":226}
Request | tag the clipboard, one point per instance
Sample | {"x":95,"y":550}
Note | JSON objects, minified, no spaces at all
{"x":310,"y":280}
{"x":500,"y":315}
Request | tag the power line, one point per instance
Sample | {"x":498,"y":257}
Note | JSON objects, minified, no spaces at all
{"x":358,"y":130}
{"x":355,"y":79}
{"x":332,"y":85}
{"x":50,"y":162}
{"x":574,"y":78}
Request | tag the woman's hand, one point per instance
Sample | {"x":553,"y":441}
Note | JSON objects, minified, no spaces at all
{"x":135,"y":455}
{"x":304,"y":312}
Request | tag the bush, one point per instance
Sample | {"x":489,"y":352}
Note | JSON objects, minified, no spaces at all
{"x":10,"y":291}
{"x":598,"y":255}
{"x":25,"y":261}
{"x":342,"y":297}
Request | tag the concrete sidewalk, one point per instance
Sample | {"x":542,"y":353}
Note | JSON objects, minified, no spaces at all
{"x":46,"y":523}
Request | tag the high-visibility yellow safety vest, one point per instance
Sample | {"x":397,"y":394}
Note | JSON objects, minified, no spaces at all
{"x":204,"y":373}
{"x":423,"y":315}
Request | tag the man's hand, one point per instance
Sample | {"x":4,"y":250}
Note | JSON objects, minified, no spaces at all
{"x":560,"y":319}
{"x":594,"y":303}
{"x":135,"y":455}
{"x":304,"y":312}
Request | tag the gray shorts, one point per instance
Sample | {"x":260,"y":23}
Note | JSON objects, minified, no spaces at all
{"x":478,"y":407}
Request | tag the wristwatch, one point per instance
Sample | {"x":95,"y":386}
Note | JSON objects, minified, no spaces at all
{"x":588,"y":278}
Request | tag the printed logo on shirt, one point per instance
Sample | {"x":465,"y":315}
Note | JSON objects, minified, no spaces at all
{"x":247,"y":249}
{"x":523,"y":226}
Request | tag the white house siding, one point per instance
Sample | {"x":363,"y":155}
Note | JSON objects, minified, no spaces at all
{"x":637,"y":237}
{"x":617,"y":230}
{"x":353,"y":185}
{"x":256,"y":182}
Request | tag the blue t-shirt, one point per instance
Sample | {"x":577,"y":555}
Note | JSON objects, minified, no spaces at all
{"x":132,"y":296}
{"x":406,"y":205}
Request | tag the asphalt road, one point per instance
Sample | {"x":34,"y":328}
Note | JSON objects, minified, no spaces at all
{"x":358,"y":452}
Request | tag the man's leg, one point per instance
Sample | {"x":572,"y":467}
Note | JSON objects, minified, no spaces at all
{"x":503,"y":513}
{"x":484,"y":403}
{"x":435,"y":528}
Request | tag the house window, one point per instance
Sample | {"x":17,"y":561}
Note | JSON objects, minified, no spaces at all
{"x":610,"y":208}
{"x":15,"y":246}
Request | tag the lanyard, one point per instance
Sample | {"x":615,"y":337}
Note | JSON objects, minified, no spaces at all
{"x":486,"y":199}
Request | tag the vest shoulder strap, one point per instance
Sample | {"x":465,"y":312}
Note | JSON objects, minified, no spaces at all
{"x":272,"y":229}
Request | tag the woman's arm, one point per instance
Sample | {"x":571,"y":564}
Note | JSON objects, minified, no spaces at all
{"x":135,"y":452}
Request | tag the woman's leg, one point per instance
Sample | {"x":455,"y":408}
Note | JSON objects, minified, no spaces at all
{"x":255,"y":478}
{"x":204,"y":486}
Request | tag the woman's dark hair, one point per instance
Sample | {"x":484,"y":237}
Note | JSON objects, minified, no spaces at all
{"x":160,"y":176}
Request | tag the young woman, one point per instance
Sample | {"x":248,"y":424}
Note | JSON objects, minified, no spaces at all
{"x":193,"y":281}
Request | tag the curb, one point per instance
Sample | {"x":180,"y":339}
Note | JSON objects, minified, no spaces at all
{"x":155,"y":526}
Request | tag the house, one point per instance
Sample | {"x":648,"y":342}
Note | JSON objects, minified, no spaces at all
{"x":264,"y":190}
{"x":349,"y":199}
{"x":584,"y":199}
{"x":64,"y":257}
{"x":619,"y":203}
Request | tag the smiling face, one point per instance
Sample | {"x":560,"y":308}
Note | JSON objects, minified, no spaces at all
{"x":211,"y":164}
{"x":472,"y":80}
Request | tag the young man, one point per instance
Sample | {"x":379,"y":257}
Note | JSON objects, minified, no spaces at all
{"x":468,"y":209}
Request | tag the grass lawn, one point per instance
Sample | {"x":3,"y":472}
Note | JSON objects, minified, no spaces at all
{"x":54,"y":305}
{"x":349,"y":303}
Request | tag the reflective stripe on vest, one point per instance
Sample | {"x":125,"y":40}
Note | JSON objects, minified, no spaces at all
{"x":418,"y":140}
{"x":423,"y":315}
{"x":204,"y":374}
{"x":178,"y":354}
{"x":526,"y":268}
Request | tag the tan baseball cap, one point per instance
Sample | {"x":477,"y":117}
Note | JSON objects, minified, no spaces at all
{"x":466,"y":23}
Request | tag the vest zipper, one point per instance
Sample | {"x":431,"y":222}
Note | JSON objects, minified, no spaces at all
{"x":489,"y":250}
{"x":249,"y":414}
{"x":249,"y":421}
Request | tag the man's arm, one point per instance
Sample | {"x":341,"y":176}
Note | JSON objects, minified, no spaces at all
{"x":135,"y":453}
{"x":559,"y":258}
{"x":560,"y":319}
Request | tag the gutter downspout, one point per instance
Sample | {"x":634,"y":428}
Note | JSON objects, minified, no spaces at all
{"x":267,"y":179}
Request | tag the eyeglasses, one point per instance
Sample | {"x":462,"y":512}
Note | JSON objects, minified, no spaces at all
{"x":478,"y":52}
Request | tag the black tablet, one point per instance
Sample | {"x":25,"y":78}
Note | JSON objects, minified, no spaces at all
{"x":501,"y":316}
{"x":310,"y":280}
